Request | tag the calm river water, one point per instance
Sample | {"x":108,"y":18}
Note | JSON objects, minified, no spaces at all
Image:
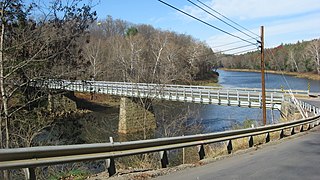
{"x":218,"y":118}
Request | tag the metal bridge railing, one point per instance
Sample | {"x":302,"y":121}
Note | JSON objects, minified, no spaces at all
{"x":196,"y":94}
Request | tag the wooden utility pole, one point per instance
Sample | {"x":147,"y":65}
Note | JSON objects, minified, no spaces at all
{"x":263,"y":85}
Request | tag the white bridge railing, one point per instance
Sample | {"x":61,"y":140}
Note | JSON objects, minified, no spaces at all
{"x":197,"y":94}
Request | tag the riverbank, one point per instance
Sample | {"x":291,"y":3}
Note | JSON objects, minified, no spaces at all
{"x":311,"y":76}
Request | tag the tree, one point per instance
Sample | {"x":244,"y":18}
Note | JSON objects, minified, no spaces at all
{"x":35,"y":49}
{"x":292,"y":63}
{"x":313,"y":50}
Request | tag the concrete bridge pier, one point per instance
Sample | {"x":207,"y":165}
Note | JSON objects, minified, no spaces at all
{"x":61,"y":101}
{"x":135,"y":116}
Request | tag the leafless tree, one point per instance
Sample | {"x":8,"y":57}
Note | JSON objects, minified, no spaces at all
{"x":314,"y":53}
{"x":31,"y":49}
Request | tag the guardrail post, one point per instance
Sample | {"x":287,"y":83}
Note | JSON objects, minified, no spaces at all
{"x":292,"y":131}
{"x":281,"y":134}
{"x":250,"y":141}
{"x":267,"y":137}
{"x":30,"y":173}
{"x":229,"y":146}
{"x":309,"y":127}
{"x":110,"y":165}
{"x":201,"y":151}
{"x":164,"y":159}
{"x":301,"y":128}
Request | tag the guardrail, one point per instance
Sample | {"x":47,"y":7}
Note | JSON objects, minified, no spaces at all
{"x":197,"y":94}
{"x":50,"y":155}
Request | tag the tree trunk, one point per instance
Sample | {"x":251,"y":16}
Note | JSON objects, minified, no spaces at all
{"x":3,"y":93}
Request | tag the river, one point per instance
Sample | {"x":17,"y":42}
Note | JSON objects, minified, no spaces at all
{"x":217,"y":118}
{"x":174,"y":118}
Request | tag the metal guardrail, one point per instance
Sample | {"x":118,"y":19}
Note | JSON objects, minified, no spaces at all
{"x":50,"y":155}
{"x":197,"y":94}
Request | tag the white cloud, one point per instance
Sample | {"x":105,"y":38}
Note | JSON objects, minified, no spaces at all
{"x":278,"y":30}
{"x":251,"y":9}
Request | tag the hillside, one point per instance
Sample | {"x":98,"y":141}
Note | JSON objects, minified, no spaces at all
{"x":301,"y":57}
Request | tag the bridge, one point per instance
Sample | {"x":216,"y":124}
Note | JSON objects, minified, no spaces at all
{"x":132,"y":114}
{"x":50,"y":155}
{"x":242,"y":97}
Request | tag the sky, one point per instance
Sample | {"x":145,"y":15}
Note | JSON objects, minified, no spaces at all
{"x":284,"y":21}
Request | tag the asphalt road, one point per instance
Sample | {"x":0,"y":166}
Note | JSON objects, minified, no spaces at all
{"x":296,"y":158}
{"x":312,"y":101}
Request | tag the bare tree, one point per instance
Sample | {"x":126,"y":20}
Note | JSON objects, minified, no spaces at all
{"x":292,"y":60}
{"x":32,"y":49}
{"x":314,"y":53}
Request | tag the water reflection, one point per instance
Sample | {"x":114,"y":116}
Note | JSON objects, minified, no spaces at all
{"x":219,"y":118}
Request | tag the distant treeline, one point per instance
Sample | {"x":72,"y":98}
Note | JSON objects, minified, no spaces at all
{"x":300,"y":57}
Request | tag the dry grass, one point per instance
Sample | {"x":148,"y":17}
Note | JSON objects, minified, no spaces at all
{"x":220,"y":149}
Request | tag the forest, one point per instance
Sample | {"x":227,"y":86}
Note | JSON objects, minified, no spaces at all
{"x":141,"y":53}
{"x":301,"y":57}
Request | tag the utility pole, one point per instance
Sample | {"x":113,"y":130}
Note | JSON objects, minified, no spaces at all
{"x":263,"y":84}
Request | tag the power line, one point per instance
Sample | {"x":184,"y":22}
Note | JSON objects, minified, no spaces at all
{"x":239,"y":52}
{"x":235,"y":42}
{"x":222,"y":20}
{"x":240,"y":47}
{"x":206,"y":23}
{"x":244,"y":51}
{"x":227,"y":18}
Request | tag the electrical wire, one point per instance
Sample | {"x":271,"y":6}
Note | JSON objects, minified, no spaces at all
{"x":222,"y":20}
{"x":227,"y":18}
{"x":206,"y":23}
{"x":245,"y":51}
{"x":235,"y":42}
{"x":240,"y":47}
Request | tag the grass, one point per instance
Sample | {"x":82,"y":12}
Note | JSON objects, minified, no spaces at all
{"x":71,"y":175}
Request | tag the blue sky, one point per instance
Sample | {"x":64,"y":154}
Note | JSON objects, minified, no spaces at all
{"x":285,"y":21}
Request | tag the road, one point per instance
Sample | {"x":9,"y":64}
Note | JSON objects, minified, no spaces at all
{"x":296,"y":158}
{"x":312,"y":101}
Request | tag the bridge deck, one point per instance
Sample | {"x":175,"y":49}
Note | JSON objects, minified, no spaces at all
{"x":243,"y":97}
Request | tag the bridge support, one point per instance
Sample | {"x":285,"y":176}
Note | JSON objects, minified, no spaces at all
{"x":135,"y":116}
{"x":61,"y":101}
